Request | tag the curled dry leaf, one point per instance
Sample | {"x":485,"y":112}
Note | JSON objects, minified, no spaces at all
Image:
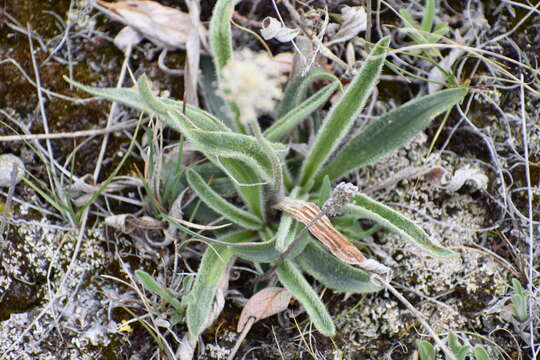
{"x":273,"y":29}
{"x":467,"y":174}
{"x":128,"y":223}
{"x":164,"y":26}
{"x":354,"y":21}
{"x":267,"y":302}
{"x":85,"y":187}
{"x":322,"y":229}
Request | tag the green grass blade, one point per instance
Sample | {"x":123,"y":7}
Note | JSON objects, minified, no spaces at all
{"x":390,"y":132}
{"x":292,"y":279}
{"x":151,"y":285}
{"x":368,"y":208}
{"x":297,"y":88}
{"x":343,"y":114}
{"x":289,"y":121}
{"x":215,"y":202}
{"x":334,"y":273}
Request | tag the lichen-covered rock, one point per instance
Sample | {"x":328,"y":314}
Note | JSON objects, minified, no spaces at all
{"x":45,"y":290}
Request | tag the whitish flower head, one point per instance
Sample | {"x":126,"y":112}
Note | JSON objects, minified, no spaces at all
{"x":253,"y":82}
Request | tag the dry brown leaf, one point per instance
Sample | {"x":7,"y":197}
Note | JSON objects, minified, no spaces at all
{"x":164,"y":26}
{"x":267,"y":302}
{"x":322,"y":229}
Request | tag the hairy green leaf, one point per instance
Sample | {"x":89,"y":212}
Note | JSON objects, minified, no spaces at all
{"x":425,"y":350}
{"x":334,"y":273}
{"x":214,"y":201}
{"x":460,"y":351}
{"x":231,"y":145}
{"x":219,"y":33}
{"x":134,"y":99}
{"x":428,"y":16}
{"x":325,"y":192}
{"x":213,"y":266}
{"x":390,"y":132}
{"x":265,"y":252}
{"x":292,"y":279}
{"x":296,"y":89}
{"x":289,"y":121}
{"x":480,"y":353}
{"x":343,"y":114}
{"x":368,"y":208}
{"x":244,"y":179}
{"x":288,"y":228}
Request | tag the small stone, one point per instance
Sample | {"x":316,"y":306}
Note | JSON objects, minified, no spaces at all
{"x":7,"y":162}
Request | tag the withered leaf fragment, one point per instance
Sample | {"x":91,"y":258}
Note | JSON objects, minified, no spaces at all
{"x":306,"y":212}
{"x":267,"y":302}
{"x":164,"y":26}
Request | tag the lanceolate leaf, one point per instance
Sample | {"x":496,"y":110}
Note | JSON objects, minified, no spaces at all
{"x":292,"y":279}
{"x":343,"y":114}
{"x":213,"y":265}
{"x":231,"y":145}
{"x":426,"y":350}
{"x":368,"y":208}
{"x":296,"y":89}
{"x":134,"y":99}
{"x":390,"y":132}
{"x":265,"y":252}
{"x":289,"y":121}
{"x":334,"y":273}
{"x":220,"y":33}
{"x":244,"y":179}
{"x":214,"y":201}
